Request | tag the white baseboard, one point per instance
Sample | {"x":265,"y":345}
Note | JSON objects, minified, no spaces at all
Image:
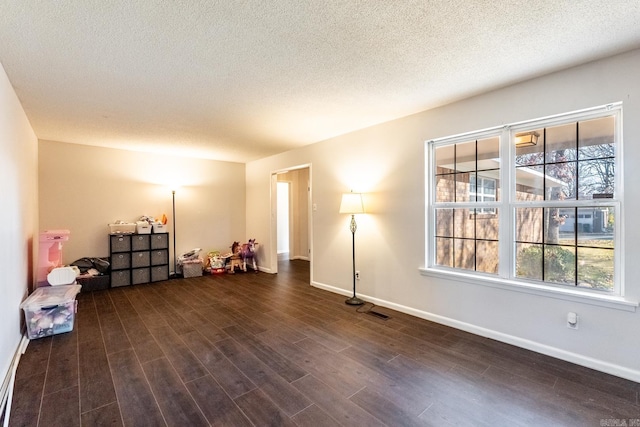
{"x":6,"y":391}
{"x":558,"y":353}
{"x":332,"y":289}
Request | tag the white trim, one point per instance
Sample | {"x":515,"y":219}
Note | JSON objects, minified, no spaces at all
{"x":333,"y":289}
{"x":562,"y":118}
{"x":464,"y":137}
{"x":6,"y":392}
{"x":578,"y":359}
{"x":568,"y":294}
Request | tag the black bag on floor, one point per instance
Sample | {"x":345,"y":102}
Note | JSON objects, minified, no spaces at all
{"x":83,"y":264}
{"x":101,"y":264}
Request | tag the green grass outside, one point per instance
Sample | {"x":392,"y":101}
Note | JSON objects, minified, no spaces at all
{"x":594,"y":269}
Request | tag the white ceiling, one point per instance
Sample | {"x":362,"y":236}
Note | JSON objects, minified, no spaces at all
{"x":240,"y":80}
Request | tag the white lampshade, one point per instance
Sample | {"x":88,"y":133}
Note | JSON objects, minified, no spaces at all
{"x":351,"y":203}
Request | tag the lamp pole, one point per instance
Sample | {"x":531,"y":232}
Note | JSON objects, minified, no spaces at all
{"x":175,"y":256}
{"x":353,"y":227}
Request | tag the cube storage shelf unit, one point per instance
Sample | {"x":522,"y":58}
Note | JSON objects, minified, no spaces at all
{"x":138,"y":258}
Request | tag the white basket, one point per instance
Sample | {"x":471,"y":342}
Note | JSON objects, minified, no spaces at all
{"x":122,"y":228}
{"x":159,"y":228}
{"x":143,"y":228}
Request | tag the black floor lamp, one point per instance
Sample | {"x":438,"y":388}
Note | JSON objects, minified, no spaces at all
{"x":352,"y":204}
{"x":173,"y":220}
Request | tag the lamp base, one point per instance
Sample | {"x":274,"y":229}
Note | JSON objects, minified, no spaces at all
{"x":354,"y":301}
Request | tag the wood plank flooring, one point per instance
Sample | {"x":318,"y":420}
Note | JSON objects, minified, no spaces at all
{"x":259,"y":349}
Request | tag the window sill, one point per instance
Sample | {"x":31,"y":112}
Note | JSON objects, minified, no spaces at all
{"x":608,"y":301}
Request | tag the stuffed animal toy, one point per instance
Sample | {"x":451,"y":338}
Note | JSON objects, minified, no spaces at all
{"x":247,"y":253}
{"x":236,"y":259}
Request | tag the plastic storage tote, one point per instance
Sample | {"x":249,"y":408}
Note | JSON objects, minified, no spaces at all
{"x":50,"y":310}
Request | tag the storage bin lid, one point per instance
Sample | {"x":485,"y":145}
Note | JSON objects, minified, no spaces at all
{"x":62,"y":276}
{"x":54,"y":236}
{"x":50,"y":295}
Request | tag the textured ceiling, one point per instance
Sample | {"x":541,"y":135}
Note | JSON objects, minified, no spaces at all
{"x":241,"y":80}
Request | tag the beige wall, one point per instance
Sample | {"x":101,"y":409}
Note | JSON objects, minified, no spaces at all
{"x":84,"y":188}
{"x":18,"y":216}
{"x":387,"y":163}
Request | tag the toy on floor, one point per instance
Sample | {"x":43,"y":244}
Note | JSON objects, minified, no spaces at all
{"x":235,"y":260}
{"x":247,"y":253}
{"x":216,"y":262}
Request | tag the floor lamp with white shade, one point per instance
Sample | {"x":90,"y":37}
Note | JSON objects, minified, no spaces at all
{"x":352,"y":204}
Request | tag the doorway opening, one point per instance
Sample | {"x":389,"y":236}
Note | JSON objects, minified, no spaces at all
{"x":283,"y":220}
{"x":291,"y":217}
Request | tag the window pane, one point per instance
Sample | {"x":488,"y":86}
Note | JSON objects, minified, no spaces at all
{"x":445,"y":159}
{"x":530,"y":183}
{"x":561,"y":143}
{"x":466,"y":156}
{"x":595,"y":268}
{"x":464,"y":254}
{"x":596,"y":226}
{"x":489,"y":153}
{"x":487,"y":256}
{"x":597,"y":179}
{"x":530,"y":154}
{"x":529,"y":225}
{"x":445,"y":188}
{"x":557,"y":229}
{"x":596,"y":138}
{"x":463,"y":223}
{"x":567,"y":224}
{"x":487,"y":222}
{"x":462,"y":187}
{"x":444,"y":252}
{"x":529,"y":261}
{"x":444,"y":222}
{"x":560,"y":181}
{"x":559,"y":264}
{"x":488,"y":185}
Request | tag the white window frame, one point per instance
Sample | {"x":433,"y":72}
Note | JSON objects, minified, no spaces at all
{"x":507,"y":204}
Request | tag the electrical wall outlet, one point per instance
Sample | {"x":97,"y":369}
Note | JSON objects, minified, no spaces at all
{"x":357,"y":275}
{"x":572,"y":320}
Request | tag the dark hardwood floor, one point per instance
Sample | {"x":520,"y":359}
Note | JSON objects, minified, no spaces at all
{"x":260,"y":349}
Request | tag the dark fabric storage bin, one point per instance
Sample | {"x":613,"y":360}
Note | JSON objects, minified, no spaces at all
{"x":94,"y":283}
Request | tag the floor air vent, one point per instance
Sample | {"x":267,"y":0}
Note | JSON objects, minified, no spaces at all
{"x":378,"y":315}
